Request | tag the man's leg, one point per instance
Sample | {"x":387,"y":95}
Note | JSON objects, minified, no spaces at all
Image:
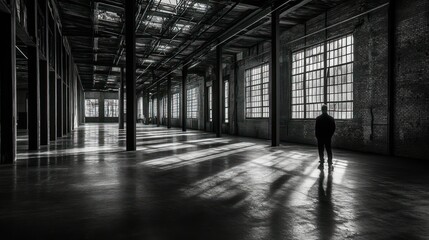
{"x":320,"y":145}
{"x":329,"y":150}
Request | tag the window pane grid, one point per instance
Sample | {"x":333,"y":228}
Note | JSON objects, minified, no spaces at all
{"x":298,"y":84}
{"x":175,"y":105}
{"x":226,"y":104}
{"x":308,"y":79}
{"x":314,"y":77}
{"x":340,"y":77}
{"x":91,"y":107}
{"x":192,"y":103}
{"x":257,"y":92}
{"x":111,"y":108}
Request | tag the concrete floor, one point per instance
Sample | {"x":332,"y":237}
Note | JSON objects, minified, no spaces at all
{"x":194,"y":186}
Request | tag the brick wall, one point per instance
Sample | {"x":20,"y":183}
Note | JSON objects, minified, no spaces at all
{"x":367,"y":131}
{"x":412,"y":81}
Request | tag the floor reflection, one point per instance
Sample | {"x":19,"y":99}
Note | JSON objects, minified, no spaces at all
{"x":195,"y":186}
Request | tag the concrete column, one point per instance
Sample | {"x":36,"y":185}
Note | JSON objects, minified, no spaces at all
{"x":275,"y":79}
{"x":184,"y":97}
{"x":217,"y":94}
{"x":8,"y":86}
{"x":33,"y":79}
{"x":121,"y":100}
{"x":169,"y":102}
{"x":130,"y":39}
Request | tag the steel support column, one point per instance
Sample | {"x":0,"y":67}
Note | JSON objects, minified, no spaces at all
{"x":275,"y":79}
{"x":44,"y":102}
{"x":44,"y":81}
{"x":33,"y":79}
{"x":169,"y":102}
{"x":121,"y":100}
{"x":130,"y":39}
{"x":60,"y":86}
{"x":217,"y":94}
{"x":53,"y":90}
{"x":158,"y":106}
{"x":8,"y":86}
{"x":184,"y":97}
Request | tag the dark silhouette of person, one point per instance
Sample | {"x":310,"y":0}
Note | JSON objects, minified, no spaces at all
{"x":325,"y":128}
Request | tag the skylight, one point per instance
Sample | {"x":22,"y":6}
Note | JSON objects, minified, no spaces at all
{"x":163,"y":48}
{"x":184,"y":28}
{"x":201,"y":7}
{"x":174,"y":3}
{"x":108,"y":16}
{"x":154,"y":21}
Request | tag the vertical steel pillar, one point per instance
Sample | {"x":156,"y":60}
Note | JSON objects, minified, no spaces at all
{"x":158,"y":105}
{"x":60,"y":86}
{"x":53,"y":90}
{"x":33,"y":78}
{"x":8,"y":86}
{"x":275,"y":79}
{"x":169,"y":102}
{"x":184,"y":97}
{"x":130,"y":39}
{"x":44,"y":82}
{"x":121,"y":100}
{"x":217,"y":94}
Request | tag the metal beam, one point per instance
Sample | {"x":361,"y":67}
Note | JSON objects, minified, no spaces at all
{"x":275,"y":79}
{"x":184,"y":97}
{"x":130,"y":39}
{"x":121,"y":100}
{"x":217,"y":94}
{"x":8,"y":86}
{"x":33,"y":79}
{"x":169,"y":102}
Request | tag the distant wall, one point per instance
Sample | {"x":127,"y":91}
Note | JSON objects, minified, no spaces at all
{"x":101,"y":96}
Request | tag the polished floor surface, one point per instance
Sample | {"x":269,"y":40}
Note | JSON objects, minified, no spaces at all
{"x":195,"y":186}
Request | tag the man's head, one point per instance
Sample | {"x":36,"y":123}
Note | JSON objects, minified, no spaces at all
{"x":324,"y":109}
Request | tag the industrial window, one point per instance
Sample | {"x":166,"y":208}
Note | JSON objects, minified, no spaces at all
{"x":111,"y":108}
{"x":91,"y":107}
{"x":257,"y":94}
{"x":175,"y":105}
{"x":210,"y":100}
{"x":140,"y":108}
{"x":164,"y":106}
{"x":311,"y":87}
{"x":340,"y":77}
{"x":150,"y":108}
{"x":226,"y":105}
{"x":192,"y":103}
{"x":314,"y":91}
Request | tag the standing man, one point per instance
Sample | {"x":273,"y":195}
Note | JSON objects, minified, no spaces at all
{"x":325,"y":128}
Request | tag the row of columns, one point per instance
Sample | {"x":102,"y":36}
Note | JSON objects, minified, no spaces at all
{"x":130,"y":9}
{"x":52,"y":83}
